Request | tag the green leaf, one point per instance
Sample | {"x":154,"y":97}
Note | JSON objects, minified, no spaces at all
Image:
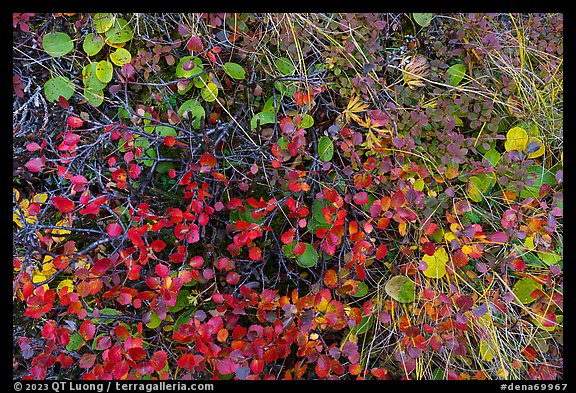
{"x":90,"y":79}
{"x":209,"y":92}
{"x":285,"y":66}
{"x":57,"y":44}
{"x":103,"y":22}
{"x":200,"y":81}
{"x":488,"y":350}
{"x":262,"y":118}
{"x":120,"y":57}
{"x":308,"y":258}
{"x":181,"y":301}
{"x":269,"y":105}
{"x":362,"y":289}
{"x":58,"y":86}
{"x":455,"y":74}
{"x":75,"y":343}
{"x":325,"y":148}
{"x":104,"y":71}
{"x":524,"y":287}
{"x":94,"y":97}
{"x":155,"y":321}
{"x":166,"y":131}
{"x":541,"y":176}
{"x":197,"y":69}
{"x":234,"y":70}
{"x":549,"y":258}
{"x":492,"y":156}
{"x":307,"y":121}
{"x":192,"y":109}
{"x":423,"y":19}
{"x":401,"y":289}
{"x":120,"y":32}
{"x":365,"y":324}
{"x":92,"y":44}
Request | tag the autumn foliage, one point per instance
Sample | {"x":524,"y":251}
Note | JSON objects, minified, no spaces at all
{"x":247,"y":196}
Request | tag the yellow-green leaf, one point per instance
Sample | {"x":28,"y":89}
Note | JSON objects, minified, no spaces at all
{"x":103,"y":22}
{"x":524,"y":287}
{"x":436,"y":264}
{"x":210,"y":92}
{"x":516,"y":139}
{"x":487,"y":350}
{"x":120,"y":57}
{"x":104,"y":71}
{"x":92,"y":44}
{"x":57,"y":44}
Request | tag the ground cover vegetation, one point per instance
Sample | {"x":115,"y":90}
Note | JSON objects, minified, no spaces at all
{"x":287,"y":196}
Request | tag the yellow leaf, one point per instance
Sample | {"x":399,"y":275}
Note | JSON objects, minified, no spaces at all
{"x":516,"y":139}
{"x":538,"y":152}
{"x":419,"y":185}
{"x":40,"y":198}
{"x":487,"y":350}
{"x":436,"y":264}
{"x":65,"y":283}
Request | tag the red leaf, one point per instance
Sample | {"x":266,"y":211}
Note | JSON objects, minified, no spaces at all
{"x":65,"y":205}
{"x":256,"y":366}
{"x":361,"y":198}
{"x":63,"y":102}
{"x":187,"y":361}
{"x":134,"y":171}
{"x":288,"y":236}
{"x":103,"y":342}
{"x":232,"y":278}
{"x":35,"y":165}
{"x":87,"y":360}
{"x":428,"y":248}
{"x":74,"y":122}
{"x":255,"y":253}
{"x":381,"y":251}
{"x":38,"y":372}
{"x":397,"y":200}
{"x":300,"y":248}
{"x":158,"y":245}
{"x":499,"y":237}
{"x":169,"y":140}
{"x":430,"y":228}
{"x":32,"y":146}
{"x":121,"y":369}
{"x":194,"y":44}
{"x":114,"y":229}
{"x":158,"y":360}
{"x":78,"y":180}
{"x":196,"y":262}
{"x":208,"y":160}
{"x":518,"y":264}
{"x":331,"y":278}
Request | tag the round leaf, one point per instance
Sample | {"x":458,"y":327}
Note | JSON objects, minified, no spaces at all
{"x":120,"y":57}
{"x":90,"y":78}
{"x":234,"y":70}
{"x":535,"y":147}
{"x":308,"y":258}
{"x":455,"y":74}
{"x":104,"y":71}
{"x":181,"y":72}
{"x":192,"y":109}
{"x":401,"y":289}
{"x":487,"y":350}
{"x":210,"y":92}
{"x":94,"y":97}
{"x":516,"y":139}
{"x":307,"y":121}
{"x":524,"y":287}
{"x":423,"y":19}
{"x":436,"y":263}
{"x":58,"y":86}
{"x":92,"y":44}
{"x":119,"y":32}
{"x":75,"y":342}
{"x":325,"y":148}
{"x":103,"y":22}
{"x":262,"y":118}
{"x":155,"y":321}
{"x":166,"y":131}
{"x":362,"y":289}
{"x":57,"y":44}
{"x":285,"y":66}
